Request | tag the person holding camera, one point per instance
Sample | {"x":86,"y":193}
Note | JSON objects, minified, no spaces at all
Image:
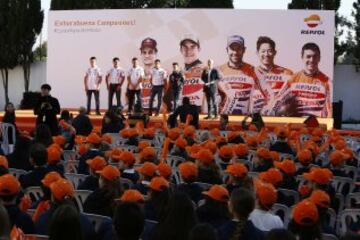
{"x":46,"y":109}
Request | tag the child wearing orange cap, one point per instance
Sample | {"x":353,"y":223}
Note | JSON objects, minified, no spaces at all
{"x":263,"y":161}
{"x":126,"y":166}
{"x":238,"y":177}
{"x":189,"y":173}
{"x":147,"y":171}
{"x":62,"y":193}
{"x":215,"y":208}
{"x":93,"y":142}
{"x":261,"y":217}
{"x":164,"y":171}
{"x":209,"y":172}
{"x":179,"y":148}
{"x":91,"y":182}
{"x":148,"y":154}
{"x":53,"y":160}
{"x":288,"y":169}
{"x":241,"y":151}
{"x":337,"y":159}
{"x":225,"y":154}
{"x":242,"y":203}
{"x":159,"y":195}
{"x":9,"y":190}
{"x":281,"y":144}
{"x":305,"y":221}
{"x":305,"y":157}
{"x":189,"y":135}
{"x":102,"y":200}
{"x":4,"y":165}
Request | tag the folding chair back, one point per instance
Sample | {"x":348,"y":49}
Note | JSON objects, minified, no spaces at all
{"x":126,"y":183}
{"x":36,"y":237}
{"x":71,"y":166}
{"x":17,"y":172}
{"x":35,"y":193}
{"x":204,"y":186}
{"x":328,"y":237}
{"x":352,"y":200}
{"x":283,"y":212}
{"x":97,"y":220}
{"x":343,"y":185}
{"x":75,"y":178}
{"x":346,"y":217}
{"x":70,"y":155}
{"x":80,"y":197}
{"x":174,"y":161}
{"x":332,"y":217}
{"x":351,"y":172}
{"x":4,"y":133}
{"x":290,"y":195}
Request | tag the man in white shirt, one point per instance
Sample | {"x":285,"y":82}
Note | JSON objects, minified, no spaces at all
{"x":114,"y":80}
{"x":158,"y":80}
{"x":134,"y":77}
{"x":92,"y":81}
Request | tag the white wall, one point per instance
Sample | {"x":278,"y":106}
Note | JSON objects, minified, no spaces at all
{"x":346,"y":87}
{"x":16,"y":83}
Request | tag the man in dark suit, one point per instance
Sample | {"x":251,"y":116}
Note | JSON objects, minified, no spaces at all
{"x":185,"y":109}
{"x":46,"y":109}
{"x":210,"y":76}
{"x":82,"y":123}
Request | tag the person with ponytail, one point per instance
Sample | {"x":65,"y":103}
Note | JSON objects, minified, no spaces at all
{"x":242,"y":203}
{"x":261,"y":217}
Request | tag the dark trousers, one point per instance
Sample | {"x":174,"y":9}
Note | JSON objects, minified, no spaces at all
{"x":211,"y":102}
{"x":115,"y":89}
{"x":176,"y":94}
{"x":156,"y":90}
{"x":97,"y":100}
{"x":131,"y":95}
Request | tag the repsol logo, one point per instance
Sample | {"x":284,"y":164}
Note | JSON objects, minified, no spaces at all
{"x":313,"y":32}
{"x":191,"y":81}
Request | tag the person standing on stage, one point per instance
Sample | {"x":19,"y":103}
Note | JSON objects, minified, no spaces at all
{"x":158,"y":80}
{"x":193,"y":85}
{"x":176,"y":81}
{"x":210,"y":77}
{"x":114,"y":80}
{"x":135,"y":76}
{"x":46,"y":110}
{"x":148,"y":54}
{"x":92,"y":81}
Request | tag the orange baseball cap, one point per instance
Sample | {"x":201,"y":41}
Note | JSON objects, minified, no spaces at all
{"x":109,"y":172}
{"x":252,"y":140}
{"x":340,"y":144}
{"x":181,"y":142}
{"x":205,"y":156}
{"x":50,"y":178}
{"x":115,"y":154}
{"x":61,"y":189}
{"x":266,"y":193}
{"x":54,"y":155}
{"x":318,"y":132}
{"x":281,"y":132}
{"x":263,"y":153}
{"x":337,"y":157}
{"x":193,"y":150}
{"x":9,"y":185}
{"x":320,"y":198}
{"x":241,"y":150}
{"x":320,"y":176}
{"x":149,"y":132}
{"x":127,"y":157}
{"x":82,"y":149}
{"x":132,"y":195}
{"x":143,"y":144}
{"x":215,"y":132}
{"x":226,"y":151}
{"x":4,"y":162}
{"x":188,"y":170}
{"x":232,"y":135}
{"x":304,"y":156}
{"x":174,"y":133}
{"x":59,"y":139}
{"x":133,"y":132}
{"x":349,"y":153}
{"x":164,"y":170}
{"x":189,"y":131}
{"x":93,"y":138}
{"x":124,"y":133}
{"x":218,"y":193}
{"x":158,"y":184}
{"x":237,"y":170}
{"x":305,"y":213}
{"x":220,"y":140}
{"x":148,"y":154}
{"x":287,"y":166}
{"x":97,"y":163}
{"x":107,"y":138}
{"x":272,"y":176}
{"x":211,"y":145}
{"x":79,"y":139}
{"x":274,"y":155}
{"x":147,"y":169}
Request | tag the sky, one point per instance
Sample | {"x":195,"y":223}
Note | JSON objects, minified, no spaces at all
{"x":345,"y":9}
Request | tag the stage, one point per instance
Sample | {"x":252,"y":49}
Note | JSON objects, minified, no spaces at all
{"x":25,"y":121}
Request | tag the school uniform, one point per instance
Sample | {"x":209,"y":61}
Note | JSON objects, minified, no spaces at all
{"x":282,"y":147}
{"x":90,"y":183}
{"x":59,"y":168}
{"x":33,"y":178}
{"x":98,"y":203}
{"x":208,"y":176}
{"x":20,"y":219}
{"x":130,"y":174}
{"x":206,"y":214}
{"x":83,"y":167}
{"x":192,"y":190}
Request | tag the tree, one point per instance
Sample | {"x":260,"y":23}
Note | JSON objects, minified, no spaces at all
{"x":356,"y":48}
{"x":40,"y":53}
{"x":29,"y":24}
{"x":340,"y":21}
{"x":8,"y":48}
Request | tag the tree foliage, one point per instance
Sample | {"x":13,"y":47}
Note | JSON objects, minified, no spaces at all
{"x":340,"y":21}
{"x":356,"y":27}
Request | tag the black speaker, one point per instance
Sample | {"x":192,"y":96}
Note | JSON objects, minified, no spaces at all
{"x":337,"y":113}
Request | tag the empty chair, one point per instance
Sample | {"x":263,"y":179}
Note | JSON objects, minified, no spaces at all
{"x":75,"y":178}
{"x":343,"y":185}
{"x":352,"y":200}
{"x":174,"y":161}
{"x":97,"y":220}
{"x":70,"y":155}
{"x":351,"y":172}
{"x":80,"y":197}
{"x":345,"y":218}
{"x":283,"y":212}
{"x":17,"y":172}
{"x":4,"y":143}
{"x":35,"y":193}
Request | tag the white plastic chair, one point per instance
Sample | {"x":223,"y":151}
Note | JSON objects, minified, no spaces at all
{"x":290,"y":193}
{"x":75,"y":178}
{"x":174,"y":161}
{"x":328,"y":237}
{"x":332,"y":217}
{"x":17,"y":172}
{"x":70,"y":155}
{"x":351,"y":172}
{"x":283,"y":212}
{"x":204,"y":186}
{"x":36,"y":236}
{"x":35,"y":193}
{"x":97,"y":220}
{"x":4,"y":132}
{"x":341,"y":182}
{"x":80,"y":197}
{"x":71,"y":166}
{"x":129,"y":148}
{"x":352,"y":197}
{"x":344,"y":217}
